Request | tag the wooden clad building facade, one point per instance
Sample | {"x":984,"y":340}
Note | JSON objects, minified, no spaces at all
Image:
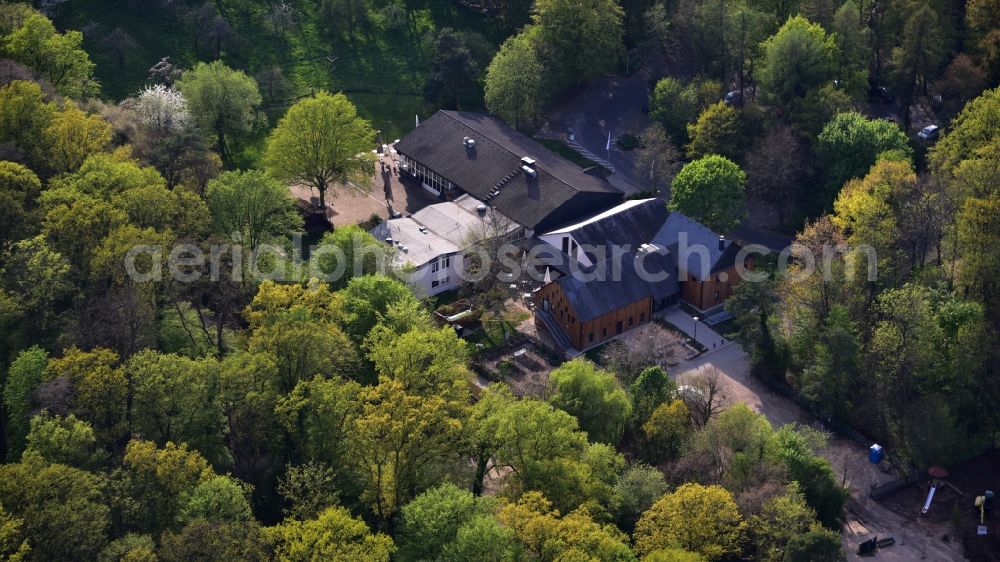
{"x":585,"y":333}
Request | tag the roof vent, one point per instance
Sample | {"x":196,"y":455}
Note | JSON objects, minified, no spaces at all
{"x":423,"y":229}
{"x":530,"y":171}
{"x":528,"y":161}
{"x":481,"y":209}
{"x":471,"y":143}
{"x":389,"y":241}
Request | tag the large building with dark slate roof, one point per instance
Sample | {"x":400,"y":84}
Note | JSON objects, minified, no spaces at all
{"x":628,"y":263}
{"x":454,"y":152}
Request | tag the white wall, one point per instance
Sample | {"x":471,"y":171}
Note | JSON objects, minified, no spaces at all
{"x":422,"y":278}
{"x":556,"y":241}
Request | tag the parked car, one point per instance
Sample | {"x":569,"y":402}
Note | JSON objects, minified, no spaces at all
{"x":928,"y":133}
{"x":733,"y":98}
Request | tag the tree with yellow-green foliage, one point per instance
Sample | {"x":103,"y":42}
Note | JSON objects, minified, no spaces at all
{"x":14,"y":546}
{"x":58,"y":57}
{"x":717,"y":131}
{"x":400,"y":444}
{"x":666,"y":430}
{"x":320,"y":141}
{"x":333,"y":535}
{"x":73,"y":136}
{"x":702,"y":519}
{"x":25,"y":115}
{"x":545,"y":535}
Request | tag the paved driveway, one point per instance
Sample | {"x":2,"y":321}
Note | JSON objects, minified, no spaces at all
{"x":706,"y":336}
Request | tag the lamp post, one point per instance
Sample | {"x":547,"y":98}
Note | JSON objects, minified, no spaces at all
{"x":695,"y":318}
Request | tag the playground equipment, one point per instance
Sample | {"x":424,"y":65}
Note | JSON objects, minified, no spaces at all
{"x":983,"y":503}
{"x":937,"y":475}
{"x":930,"y":497}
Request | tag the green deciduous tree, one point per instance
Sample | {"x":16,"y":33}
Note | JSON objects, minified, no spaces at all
{"x":593,"y":397}
{"x":63,"y":440}
{"x":514,"y":88}
{"x":215,"y":541}
{"x":816,"y":545}
{"x":223,"y":102}
{"x":431,"y":521}
{"x":25,"y":115}
{"x":974,"y":131}
{"x":23,"y":377}
{"x":675,"y":104}
{"x":349,"y":252}
{"x":636,"y":490}
{"x":19,"y":187}
{"x":63,"y":514}
{"x":251,"y":207}
{"x":711,"y":190}
{"x":578,"y":40}
{"x":544,"y":449}
{"x":453,"y":81}
{"x":59,"y":57}
{"x":781,"y":518}
{"x":850,"y":144}
{"x":219,"y":499}
{"x":14,"y":546}
{"x":319,"y":141}
{"x":798,"y":58}
{"x":173,"y":398}
{"x":308,"y":489}
{"x":151,"y":486}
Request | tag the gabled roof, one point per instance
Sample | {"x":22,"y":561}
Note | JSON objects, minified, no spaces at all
{"x":680,"y":232}
{"x":606,"y":292}
{"x":560,"y":191}
{"x":631,"y":223}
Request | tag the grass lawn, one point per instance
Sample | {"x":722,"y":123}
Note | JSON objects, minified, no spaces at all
{"x":381,"y":70}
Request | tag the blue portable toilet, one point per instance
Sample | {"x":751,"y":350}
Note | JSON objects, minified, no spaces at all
{"x":875,"y":453}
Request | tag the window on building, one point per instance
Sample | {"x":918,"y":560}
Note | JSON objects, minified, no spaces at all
{"x":573,"y":251}
{"x":565,"y":245}
{"x":590,"y":337}
{"x":604,"y":333}
{"x":446,"y":262}
{"x":717,"y":295}
{"x":435,"y":266}
{"x":630,"y":321}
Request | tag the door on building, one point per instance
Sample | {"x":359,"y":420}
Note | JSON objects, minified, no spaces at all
{"x":618,"y":327}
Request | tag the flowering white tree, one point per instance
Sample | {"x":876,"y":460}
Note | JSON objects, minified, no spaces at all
{"x":162,"y":109}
